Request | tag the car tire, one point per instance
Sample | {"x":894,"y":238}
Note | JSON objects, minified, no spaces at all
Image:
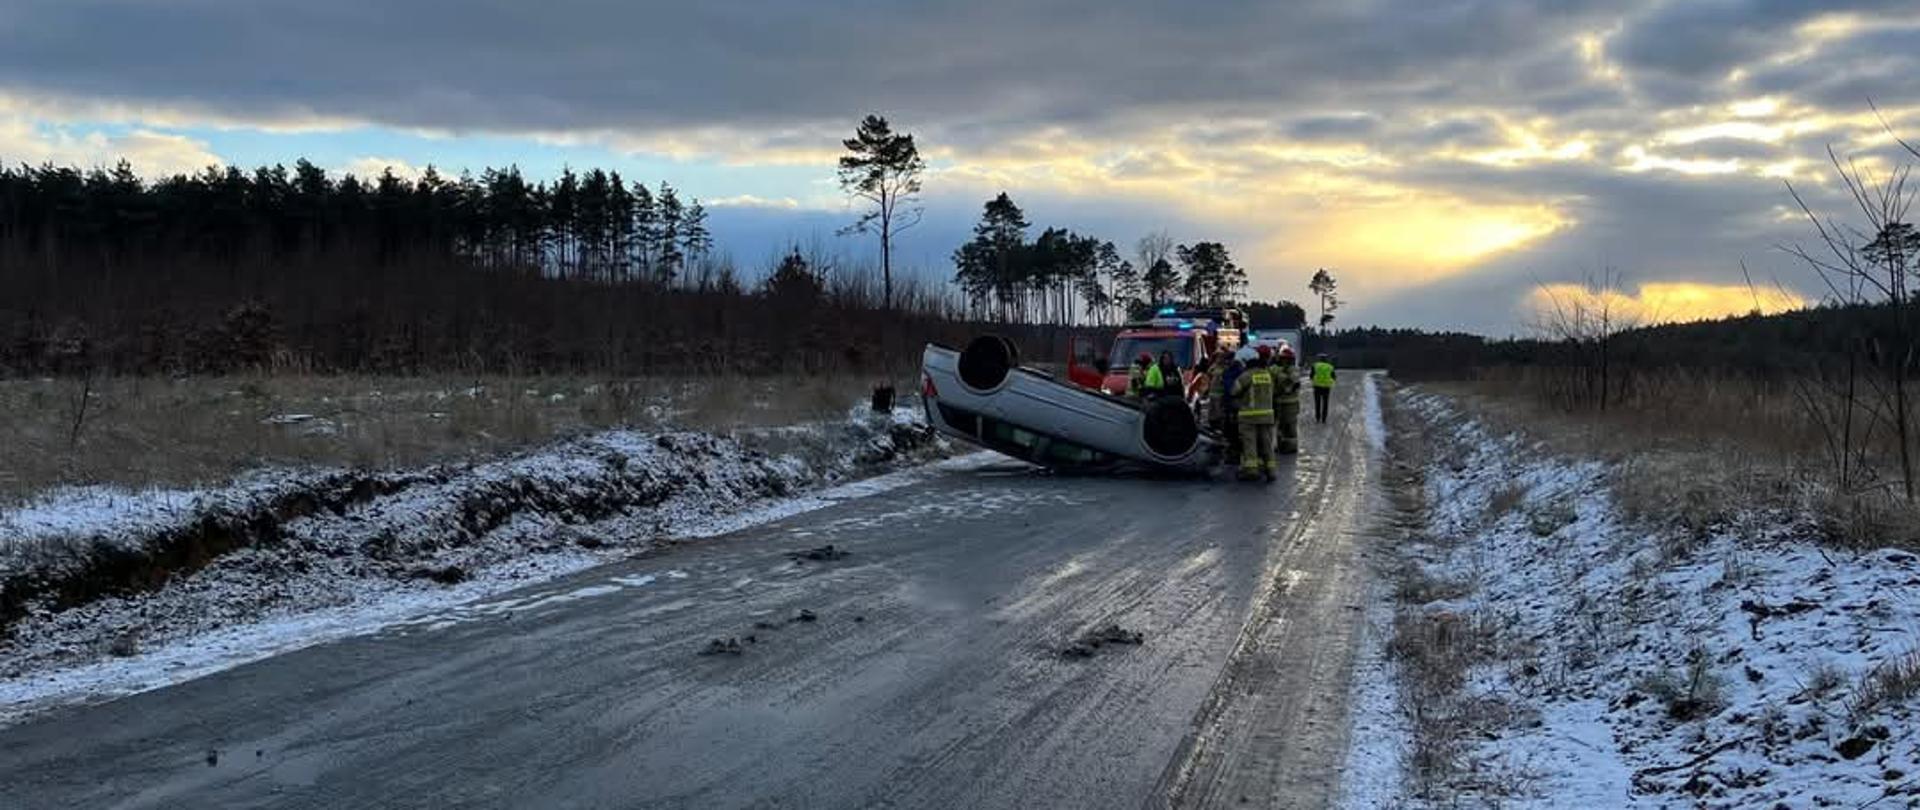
{"x":987,"y":361}
{"x":1169,"y":427}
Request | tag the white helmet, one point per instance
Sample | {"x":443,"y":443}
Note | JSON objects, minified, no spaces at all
{"x":1246,"y":354}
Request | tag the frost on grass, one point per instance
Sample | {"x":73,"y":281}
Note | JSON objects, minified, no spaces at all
{"x":1585,"y":660}
{"x":96,"y":575}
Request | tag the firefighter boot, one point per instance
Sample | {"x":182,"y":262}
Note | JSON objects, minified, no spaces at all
{"x":1289,"y":440}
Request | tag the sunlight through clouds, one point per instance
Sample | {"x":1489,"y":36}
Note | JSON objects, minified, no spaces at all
{"x":1659,"y":302}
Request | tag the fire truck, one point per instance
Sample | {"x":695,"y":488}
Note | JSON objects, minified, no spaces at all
{"x":1188,"y":334}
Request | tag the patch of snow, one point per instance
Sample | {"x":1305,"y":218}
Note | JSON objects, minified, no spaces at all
{"x":1370,"y":411}
{"x":1600,"y":626}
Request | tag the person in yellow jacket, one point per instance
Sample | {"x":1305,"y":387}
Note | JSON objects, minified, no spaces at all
{"x":1253,"y":391}
{"x":1137,"y":377}
{"x":1323,"y":375}
{"x":1286,"y":400}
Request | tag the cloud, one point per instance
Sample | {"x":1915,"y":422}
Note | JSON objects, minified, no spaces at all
{"x":148,"y":152}
{"x":1340,"y":126}
{"x":370,"y":167}
{"x":1657,"y":302}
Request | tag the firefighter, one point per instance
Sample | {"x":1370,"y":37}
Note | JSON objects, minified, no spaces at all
{"x":1137,"y":376}
{"x":1286,"y":400}
{"x":1323,"y":374}
{"x":1220,"y":374}
{"x":1253,"y":390}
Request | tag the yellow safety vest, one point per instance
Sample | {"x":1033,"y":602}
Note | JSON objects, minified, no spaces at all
{"x":1323,"y":374}
{"x":1155,"y":379}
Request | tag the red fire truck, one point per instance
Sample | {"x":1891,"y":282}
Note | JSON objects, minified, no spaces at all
{"x":1189,"y":334}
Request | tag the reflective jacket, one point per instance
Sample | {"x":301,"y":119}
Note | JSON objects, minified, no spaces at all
{"x":1254,"y":391}
{"x":1323,"y":374}
{"x":1136,"y":381}
{"x":1217,"y":384}
{"x":1286,"y":386}
{"x":1156,"y":382}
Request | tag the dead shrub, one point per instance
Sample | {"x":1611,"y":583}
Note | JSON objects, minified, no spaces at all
{"x":1412,"y":585}
{"x":1692,"y":693}
{"x":1503,"y":501}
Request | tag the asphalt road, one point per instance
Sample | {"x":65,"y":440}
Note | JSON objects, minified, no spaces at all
{"x":931,"y":676}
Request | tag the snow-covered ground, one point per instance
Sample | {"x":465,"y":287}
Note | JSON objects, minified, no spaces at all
{"x":345,"y":553}
{"x":1621,"y":665}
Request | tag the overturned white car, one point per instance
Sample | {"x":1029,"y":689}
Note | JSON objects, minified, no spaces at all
{"x":984,"y":396}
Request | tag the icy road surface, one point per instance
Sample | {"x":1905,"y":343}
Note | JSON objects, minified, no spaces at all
{"x":931,"y":672}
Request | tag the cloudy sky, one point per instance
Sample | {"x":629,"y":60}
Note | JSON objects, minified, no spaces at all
{"x":1446,"y":157}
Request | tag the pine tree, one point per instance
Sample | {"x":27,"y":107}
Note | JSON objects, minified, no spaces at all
{"x":1212,"y":277}
{"x":989,"y":264}
{"x":1159,"y":281}
{"x":883,"y":168}
{"x":695,"y":242}
{"x":1323,"y":286}
{"x":646,"y":231}
{"x":670,"y":259}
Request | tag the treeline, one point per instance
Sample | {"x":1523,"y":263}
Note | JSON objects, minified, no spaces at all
{"x":1769,"y":346}
{"x":275,"y":269}
{"x":590,"y":225}
{"x":1064,"y":277}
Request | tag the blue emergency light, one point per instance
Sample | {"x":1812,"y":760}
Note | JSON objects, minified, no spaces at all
{"x":1166,"y":310}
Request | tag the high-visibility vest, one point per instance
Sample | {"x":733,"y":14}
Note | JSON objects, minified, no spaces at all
{"x":1136,"y":381}
{"x":1156,"y":381}
{"x":1322,"y":374}
{"x":1255,"y":391}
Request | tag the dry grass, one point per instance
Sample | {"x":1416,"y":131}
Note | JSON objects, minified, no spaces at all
{"x":149,"y":431}
{"x":1437,"y":650}
{"x":1503,"y":501}
{"x":1698,"y":452}
{"x":1890,"y":683}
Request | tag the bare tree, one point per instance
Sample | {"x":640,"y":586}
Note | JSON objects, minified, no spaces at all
{"x":1589,"y":318}
{"x":1871,"y":270}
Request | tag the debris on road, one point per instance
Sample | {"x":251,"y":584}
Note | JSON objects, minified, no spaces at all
{"x":1091,"y":642}
{"x":729,"y":646}
{"x":806,"y":616}
{"x":826,"y":553}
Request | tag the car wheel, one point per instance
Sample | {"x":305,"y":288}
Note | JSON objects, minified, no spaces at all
{"x":987,"y":361}
{"x":1169,"y":427}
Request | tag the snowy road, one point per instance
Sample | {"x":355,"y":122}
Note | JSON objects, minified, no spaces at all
{"x":931,"y":673}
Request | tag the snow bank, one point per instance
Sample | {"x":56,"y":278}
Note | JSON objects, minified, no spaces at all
{"x":321,"y":554}
{"x":1643,"y":668}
